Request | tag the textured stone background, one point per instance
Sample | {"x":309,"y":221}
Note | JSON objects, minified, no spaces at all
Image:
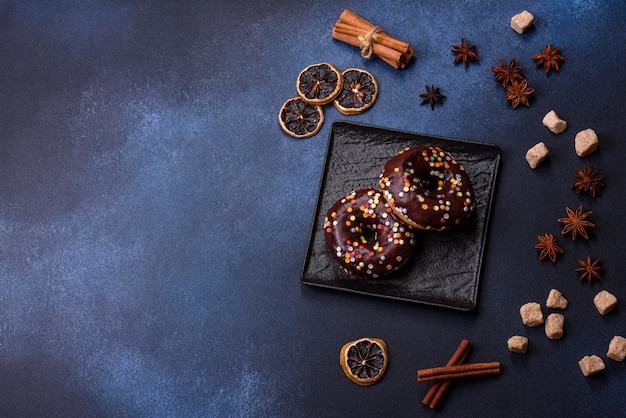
{"x":154,"y":218}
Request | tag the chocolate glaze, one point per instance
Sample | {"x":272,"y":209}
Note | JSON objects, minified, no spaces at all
{"x":365,"y":236}
{"x":428,"y":188}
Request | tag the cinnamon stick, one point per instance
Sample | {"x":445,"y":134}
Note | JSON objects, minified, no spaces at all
{"x":355,"y":20}
{"x":435,"y":394}
{"x":458,"y":371}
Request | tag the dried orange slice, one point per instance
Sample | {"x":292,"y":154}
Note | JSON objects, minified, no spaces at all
{"x":358,"y":93}
{"x":364,"y":361}
{"x":299,"y":118}
{"x":319,"y":83}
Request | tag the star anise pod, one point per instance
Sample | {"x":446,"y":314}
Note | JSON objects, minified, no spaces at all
{"x":518,"y":92}
{"x":588,"y":180}
{"x":432,"y":96}
{"x":548,"y":246}
{"x":576,"y":223}
{"x":549,"y":57}
{"x":465,"y":53}
{"x":589,"y":270}
{"x":508,"y":73}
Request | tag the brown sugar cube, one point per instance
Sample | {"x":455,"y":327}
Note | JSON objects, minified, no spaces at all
{"x":586,"y":142}
{"x":617,"y":348}
{"x":554,"y":326}
{"x":556,"y":300}
{"x":522,"y":21}
{"x":591,"y":365}
{"x":536,"y":155}
{"x":531,"y":314}
{"x":518,"y":344}
{"x":605,"y":302}
{"x":553,"y":122}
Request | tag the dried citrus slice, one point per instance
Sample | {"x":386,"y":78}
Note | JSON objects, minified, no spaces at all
{"x":299,"y":118}
{"x":364,"y":361}
{"x":358,"y":93}
{"x":319,"y":83}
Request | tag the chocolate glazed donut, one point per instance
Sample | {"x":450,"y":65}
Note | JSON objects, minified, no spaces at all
{"x":428,"y":188}
{"x":365,"y":236}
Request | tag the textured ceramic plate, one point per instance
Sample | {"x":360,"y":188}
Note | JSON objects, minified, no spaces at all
{"x":445,"y":267}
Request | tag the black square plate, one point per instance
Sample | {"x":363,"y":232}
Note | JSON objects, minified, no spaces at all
{"x":445,"y":268}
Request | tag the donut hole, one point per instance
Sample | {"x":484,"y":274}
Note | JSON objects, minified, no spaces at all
{"x":368,"y":235}
{"x":428,"y":184}
{"x":428,"y":181}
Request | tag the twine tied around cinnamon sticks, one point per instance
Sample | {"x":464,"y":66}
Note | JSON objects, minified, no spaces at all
{"x":368,"y":40}
{"x":356,"y":31}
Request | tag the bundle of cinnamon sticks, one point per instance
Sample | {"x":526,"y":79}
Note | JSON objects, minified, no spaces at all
{"x":356,"y":31}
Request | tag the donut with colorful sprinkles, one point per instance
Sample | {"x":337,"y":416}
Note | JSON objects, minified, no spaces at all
{"x":428,"y":188}
{"x":365,"y":236}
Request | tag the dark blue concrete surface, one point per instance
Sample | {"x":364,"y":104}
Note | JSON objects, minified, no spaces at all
{"x":154,"y":217}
